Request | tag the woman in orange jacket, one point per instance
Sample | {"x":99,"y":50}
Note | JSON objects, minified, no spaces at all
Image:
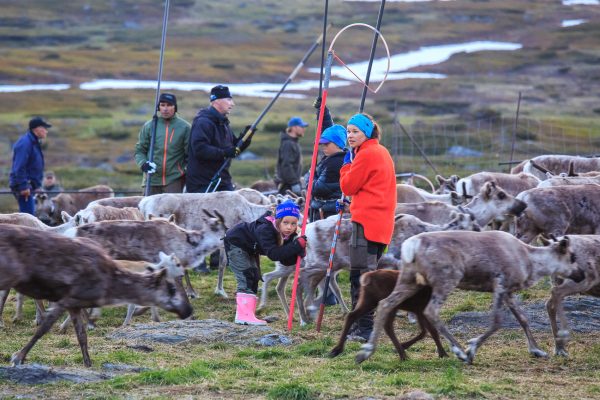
{"x":369,"y":177}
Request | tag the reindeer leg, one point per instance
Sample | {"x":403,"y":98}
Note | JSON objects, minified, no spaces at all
{"x":532,"y":345}
{"x":189,"y":289}
{"x":77,"y":317}
{"x":281,"y":293}
{"x":65,"y":324}
{"x":19,"y":308}
{"x":388,"y":326}
{"x":19,"y":357}
{"x":555,"y":308}
{"x":364,"y":306}
{"x":219,"y":291}
{"x":435,"y":336}
{"x":499,"y":296}
{"x":92,"y":316}
{"x":420,"y":319}
{"x":263,"y":293}
{"x":39,"y":312}
{"x":154,"y":313}
{"x":432,"y":314}
{"x":335,"y":288}
{"x":3,"y":297}
{"x":401,"y":292}
{"x":130,"y":310}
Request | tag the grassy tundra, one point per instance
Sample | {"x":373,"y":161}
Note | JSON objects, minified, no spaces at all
{"x":217,"y":370}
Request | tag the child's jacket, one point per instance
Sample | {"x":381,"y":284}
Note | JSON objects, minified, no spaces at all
{"x":260,"y":237}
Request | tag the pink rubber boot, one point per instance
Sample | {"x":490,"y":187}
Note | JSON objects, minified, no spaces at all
{"x":244,"y":314}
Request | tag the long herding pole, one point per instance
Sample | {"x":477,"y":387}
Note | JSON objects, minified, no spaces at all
{"x":155,"y":118}
{"x":214,"y":182}
{"x":310,"y":179}
{"x":341,"y":212}
{"x":325,"y":14}
{"x":514,"y":137}
{"x":373,"y":48}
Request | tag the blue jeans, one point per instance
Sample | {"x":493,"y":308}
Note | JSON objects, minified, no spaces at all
{"x":26,"y":206}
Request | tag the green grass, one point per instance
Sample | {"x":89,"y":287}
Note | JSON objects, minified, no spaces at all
{"x":502,"y":370}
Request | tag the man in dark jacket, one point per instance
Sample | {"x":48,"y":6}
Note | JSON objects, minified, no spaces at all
{"x":289,"y":161}
{"x":28,"y":165}
{"x":212,"y":142}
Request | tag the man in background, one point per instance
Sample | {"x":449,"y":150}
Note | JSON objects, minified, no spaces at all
{"x":28,"y":164}
{"x":169,"y":161}
{"x":289,"y":161}
{"x":50,"y":184}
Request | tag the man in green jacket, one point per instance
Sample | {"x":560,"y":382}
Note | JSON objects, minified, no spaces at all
{"x":169,"y":161}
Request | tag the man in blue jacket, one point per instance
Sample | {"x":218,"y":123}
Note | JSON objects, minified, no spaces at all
{"x":212,"y":142}
{"x":28,"y":164}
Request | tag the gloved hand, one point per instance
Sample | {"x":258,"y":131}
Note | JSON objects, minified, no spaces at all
{"x":246,"y":143}
{"x":148,"y":167}
{"x":317,"y":103}
{"x":342,"y":205}
{"x":25,"y":193}
{"x":231,"y":152}
{"x":296,"y":189}
{"x":349,"y":157}
{"x":302,"y":240}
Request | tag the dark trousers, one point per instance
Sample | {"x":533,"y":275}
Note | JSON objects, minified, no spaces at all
{"x":174,"y":187}
{"x":26,"y":205}
{"x":364,"y":255}
{"x":223,"y":187}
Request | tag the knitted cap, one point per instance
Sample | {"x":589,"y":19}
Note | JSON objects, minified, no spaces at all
{"x":335,"y":134}
{"x":363,"y":123}
{"x":219,"y":92}
{"x":287,"y":209}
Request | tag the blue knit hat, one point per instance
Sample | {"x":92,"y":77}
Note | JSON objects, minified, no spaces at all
{"x":363,"y":123}
{"x":287,"y":209}
{"x":335,"y":134}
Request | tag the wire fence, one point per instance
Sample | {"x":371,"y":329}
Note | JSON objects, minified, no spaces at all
{"x":485,"y":144}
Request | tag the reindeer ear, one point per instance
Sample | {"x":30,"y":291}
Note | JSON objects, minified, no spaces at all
{"x":65,"y":216}
{"x":545,"y":241}
{"x":453,"y":214}
{"x":151,"y":216}
{"x":162,"y":256}
{"x":159,"y":276}
{"x":487,"y":190}
{"x":564,"y":244}
{"x":171,"y":218}
{"x":441,"y":180}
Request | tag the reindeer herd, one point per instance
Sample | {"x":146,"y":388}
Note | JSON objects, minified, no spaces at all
{"x":473,"y":233}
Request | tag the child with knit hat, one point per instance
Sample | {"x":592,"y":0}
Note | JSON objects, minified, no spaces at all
{"x":272,"y":236}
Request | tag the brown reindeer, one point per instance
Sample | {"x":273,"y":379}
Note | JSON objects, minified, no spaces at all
{"x":376,"y":286}
{"x":77,"y":274}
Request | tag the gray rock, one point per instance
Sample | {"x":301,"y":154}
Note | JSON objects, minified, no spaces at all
{"x":33,"y":374}
{"x":123,"y":368}
{"x":190,"y":331}
{"x":583,"y":314}
{"x":274,"y":339}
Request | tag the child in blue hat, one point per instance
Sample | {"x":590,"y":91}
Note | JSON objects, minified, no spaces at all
{"x":272,"y":236}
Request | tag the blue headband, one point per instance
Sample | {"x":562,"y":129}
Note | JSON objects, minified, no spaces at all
{"x":363,"y":123}
{"x":287,"y":209}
